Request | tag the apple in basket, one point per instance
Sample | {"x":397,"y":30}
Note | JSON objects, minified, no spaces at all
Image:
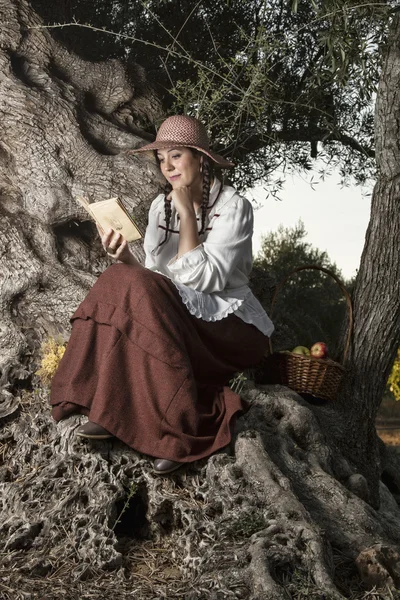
{"x":301,"y":350}
{"x":319,"y":350}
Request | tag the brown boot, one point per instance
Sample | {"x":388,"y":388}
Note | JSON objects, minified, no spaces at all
{"x":92,"y":431}
{"x":162,"y":466}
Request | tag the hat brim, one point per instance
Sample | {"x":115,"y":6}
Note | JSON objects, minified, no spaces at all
{"x":219,"y":160}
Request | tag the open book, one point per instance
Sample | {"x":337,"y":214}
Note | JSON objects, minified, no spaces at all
{"x":112,"y":213}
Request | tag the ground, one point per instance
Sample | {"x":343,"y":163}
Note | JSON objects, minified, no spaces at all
{"x":388,"y":422}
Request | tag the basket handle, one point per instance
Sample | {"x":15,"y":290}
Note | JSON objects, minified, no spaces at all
{"x":340,"y":284}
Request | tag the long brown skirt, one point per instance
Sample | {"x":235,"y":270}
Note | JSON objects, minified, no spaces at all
{"x":141,"y":366}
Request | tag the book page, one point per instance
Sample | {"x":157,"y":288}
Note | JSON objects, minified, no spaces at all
{"x":112,"y":214}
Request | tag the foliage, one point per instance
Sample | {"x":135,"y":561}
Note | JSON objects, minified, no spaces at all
{"x":246,"y":526}
{"x":310,"y":306}
{"x":277,"y":82}
{"x":52,"y":352}
{"x":237,"y":382}
{"x":131,"y":492}
{"x":394,"y":378}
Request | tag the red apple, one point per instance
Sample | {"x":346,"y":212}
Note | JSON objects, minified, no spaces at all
{"x":319,"y":350}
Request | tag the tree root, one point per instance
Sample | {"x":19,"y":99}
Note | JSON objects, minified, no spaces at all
{"x":256,"y":525}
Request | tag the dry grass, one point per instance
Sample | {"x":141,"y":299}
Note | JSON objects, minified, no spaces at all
{"x":388,"y":422}
{"x":389,"y":437}
{"x":151,"y":571}
{"x":389,"y":409}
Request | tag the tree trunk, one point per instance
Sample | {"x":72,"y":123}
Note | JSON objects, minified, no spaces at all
{"x":376,"y":296}
{"x":64,"y":127}
{"x":283,"y":511}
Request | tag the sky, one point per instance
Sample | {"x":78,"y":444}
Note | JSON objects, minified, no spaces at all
{"x":334,"y":217}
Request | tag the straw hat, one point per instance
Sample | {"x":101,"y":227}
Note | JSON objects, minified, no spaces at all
{"x":183,"y":131}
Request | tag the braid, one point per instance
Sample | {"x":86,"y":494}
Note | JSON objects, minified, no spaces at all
{"x":167,"y":213}
{"x":206,"y":192}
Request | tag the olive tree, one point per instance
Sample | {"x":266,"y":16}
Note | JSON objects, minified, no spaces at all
{"x":306,"y":496}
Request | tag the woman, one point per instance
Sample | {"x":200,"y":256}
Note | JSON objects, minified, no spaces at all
{"x":152,"y":348}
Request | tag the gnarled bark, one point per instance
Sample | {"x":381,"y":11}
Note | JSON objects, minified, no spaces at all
{"x":64,"y":126}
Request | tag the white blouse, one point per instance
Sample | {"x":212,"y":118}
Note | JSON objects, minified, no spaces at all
{"x":213,"y":278}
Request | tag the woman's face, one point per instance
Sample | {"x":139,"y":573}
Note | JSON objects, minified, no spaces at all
{"x":180,"y":166}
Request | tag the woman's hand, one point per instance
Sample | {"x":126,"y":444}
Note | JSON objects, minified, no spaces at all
{"x":116,"y":246}
{"x":188,"y":228}
{"x":183,"y":202}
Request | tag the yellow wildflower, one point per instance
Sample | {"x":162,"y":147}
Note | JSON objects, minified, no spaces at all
{"x":52,"y":352}
{"x":394,"y":378}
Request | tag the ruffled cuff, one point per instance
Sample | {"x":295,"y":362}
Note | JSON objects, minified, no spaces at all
{"x":189,"y":265}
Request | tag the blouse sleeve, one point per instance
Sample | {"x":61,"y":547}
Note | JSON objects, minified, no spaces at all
{"x":152,"y":234}
{"x":208,"y":267}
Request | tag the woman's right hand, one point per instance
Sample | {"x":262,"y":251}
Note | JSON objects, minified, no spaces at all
{"x":116,"y":246}
{"x":183,"y":202}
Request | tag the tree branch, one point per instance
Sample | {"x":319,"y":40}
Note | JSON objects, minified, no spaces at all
{"x":256,"y":142}
{"x":323,"y":135}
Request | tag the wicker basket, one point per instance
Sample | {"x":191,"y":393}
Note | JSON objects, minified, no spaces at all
{"x":319,"y":377}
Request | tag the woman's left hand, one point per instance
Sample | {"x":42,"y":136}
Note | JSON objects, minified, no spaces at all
{"x":183,"y":202}
{"x":115,"y":245}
